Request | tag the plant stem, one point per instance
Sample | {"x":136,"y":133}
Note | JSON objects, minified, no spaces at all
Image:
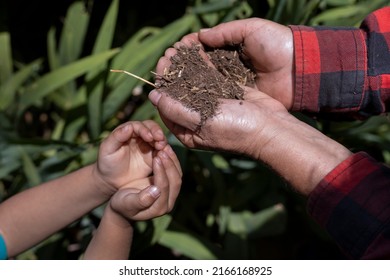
{"x":133,"y":75}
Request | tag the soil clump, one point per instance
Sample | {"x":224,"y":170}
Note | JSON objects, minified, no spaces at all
{"x":199,"y":83}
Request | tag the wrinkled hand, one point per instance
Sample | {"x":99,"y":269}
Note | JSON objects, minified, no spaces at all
{"x":241,"y":127}
{"x":127,"y":153}
{"x":266,"y":44}
{"x":151,"y":197}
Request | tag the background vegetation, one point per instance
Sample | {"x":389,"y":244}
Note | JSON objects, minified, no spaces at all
{"x":58,"y":100}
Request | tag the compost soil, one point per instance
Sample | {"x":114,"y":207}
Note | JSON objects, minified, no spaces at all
{"x":200,"y":78}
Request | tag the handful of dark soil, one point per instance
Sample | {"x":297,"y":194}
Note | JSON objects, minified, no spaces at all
{"x":199,"y":86}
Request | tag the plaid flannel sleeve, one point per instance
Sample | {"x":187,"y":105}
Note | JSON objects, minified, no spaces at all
{"x":353,"y":204}
{"x":343,"y":70}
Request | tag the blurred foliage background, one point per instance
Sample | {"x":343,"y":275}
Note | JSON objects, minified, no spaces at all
{"x":58,"y":100}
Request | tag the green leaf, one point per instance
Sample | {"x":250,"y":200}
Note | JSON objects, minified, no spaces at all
{"x":30,"y":169}
{"x":145,"y":112}
{"x":52,"y":56}
{"x":213,"y":6}
{"x":9,"y":88}
{"x":103,"y":43}
{"x":107,"y":30}
{"x":254,"y":224}
{"x":186,"y":245}
{"x":6,"y":57}
{"x":55,"y":79}
{"x":160,"y":226}
{"x":73,"y":33}
{"x":340,"y":2}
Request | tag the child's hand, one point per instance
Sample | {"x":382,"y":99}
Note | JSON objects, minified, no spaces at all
{"x":155,"y":200}
{"x":127,"y":153}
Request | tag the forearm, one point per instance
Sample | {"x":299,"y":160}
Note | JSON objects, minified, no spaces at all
{"x":31,"y":216}
{"x":112,"y":240}
{"x":299,"y":153}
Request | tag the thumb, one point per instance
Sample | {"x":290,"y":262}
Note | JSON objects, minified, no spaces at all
{"x":129,"y":202}
{"x":174,"y":111}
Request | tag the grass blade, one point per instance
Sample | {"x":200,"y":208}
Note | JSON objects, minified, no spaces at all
{"x":55,"y":79}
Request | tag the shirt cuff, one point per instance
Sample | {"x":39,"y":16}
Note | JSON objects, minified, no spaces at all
{"x":335,"y":186}
{"x":351,"y":203}
{"x":330,"y":67}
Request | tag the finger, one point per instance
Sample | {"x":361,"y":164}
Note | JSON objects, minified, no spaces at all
{"x":188,"y":40}
{"x":224,"y":34}
{"x":116,"y":139}
{"x":160,"y":178}
{"x":158,"y":134}
{"x":173,"y":175}
{"x":174,"y":111}
{"x":164,"y":62}
{"x":141,"y":130}
{"x":129,"y":202}
{"x":168,"y":149}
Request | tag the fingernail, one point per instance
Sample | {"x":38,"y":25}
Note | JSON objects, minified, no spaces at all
{"x":158,"y":160}
{"x":169,"y":150}
{"x":203,"y":30}
{"x":154,"y":97}
{"x":163,"y":154}
{"x":125,"y":127}
{"x":154,"y":191}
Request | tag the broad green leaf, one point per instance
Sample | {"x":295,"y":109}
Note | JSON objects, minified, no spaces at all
{"x":186,"y":245}
{"x":10,"y":87}
{"x":340,"y":2}
{"x":241,"y":11}
{"x":254,"y":224}
{"x":94,"y":103}
{"x":213,"y":6}
{"x":55,"y":79}
{"x":8,"y":167}
{"x":220,"y":162}
{"x":106,"y":33}
{"x":30,"y":169}
{"x":333,"y":16}
{"x":128,"y":51}
{"x":6,"y":57}
{"x":73,"y":33}
{"x":103,"y":43}
{"x":144,"y":112}
{"x":52,"y":56}
{"x":74,"y":128}
{"x":279,"y":10}
{"x":160,"y":226}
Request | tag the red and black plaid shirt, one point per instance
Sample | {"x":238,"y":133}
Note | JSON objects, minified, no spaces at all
{"x":346,"y":72}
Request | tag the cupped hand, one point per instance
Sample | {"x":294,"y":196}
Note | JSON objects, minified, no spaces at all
{"x":267,"y":45}
{"x":151,"y":197}
{"x":127,"y":153}
{"x":241,"y":127}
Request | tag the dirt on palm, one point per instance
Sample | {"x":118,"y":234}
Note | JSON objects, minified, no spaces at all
{"x":200,"y":82}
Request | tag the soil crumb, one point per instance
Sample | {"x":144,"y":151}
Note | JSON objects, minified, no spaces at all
{"x":199,"y":84}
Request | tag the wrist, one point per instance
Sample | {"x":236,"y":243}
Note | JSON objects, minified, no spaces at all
{"x":114,"y":217}
{"x":101,"y":185}
{"x":302,"y":155}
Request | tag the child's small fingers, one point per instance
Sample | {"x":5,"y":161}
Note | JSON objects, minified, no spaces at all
{"x":116,"y":138}
{"x":168,"y":149}
{"x":142,"y":131}
{"x":158,"y":134}
{"x":173,"y":176}
{"x":160,"y":179}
